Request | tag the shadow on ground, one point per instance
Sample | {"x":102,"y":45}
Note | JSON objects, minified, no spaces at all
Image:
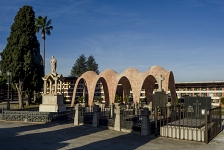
{"x":51,"y":136}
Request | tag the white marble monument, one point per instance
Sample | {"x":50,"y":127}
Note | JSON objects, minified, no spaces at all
{"x":52,"y":97}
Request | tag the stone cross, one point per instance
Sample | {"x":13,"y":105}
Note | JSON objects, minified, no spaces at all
{"x":197,"y":108}
{"x":159,"y":81}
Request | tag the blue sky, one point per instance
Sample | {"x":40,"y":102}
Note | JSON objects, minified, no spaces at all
{"x":186,"y":37}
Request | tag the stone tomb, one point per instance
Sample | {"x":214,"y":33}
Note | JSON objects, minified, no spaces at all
{"x":192,"y":126}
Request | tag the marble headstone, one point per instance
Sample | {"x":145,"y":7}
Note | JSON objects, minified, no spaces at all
{"x":195,"y":106}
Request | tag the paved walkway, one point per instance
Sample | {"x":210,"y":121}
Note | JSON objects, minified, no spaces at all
{"x":52,"y":136}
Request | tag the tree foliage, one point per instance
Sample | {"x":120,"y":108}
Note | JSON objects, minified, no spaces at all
{"x":82,"y":65}
{"x":91,"y":64}
{"x":22,"y":54}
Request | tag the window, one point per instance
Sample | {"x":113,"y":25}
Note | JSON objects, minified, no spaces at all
{"x":218,"y":88}
{"x":203,"y":94}
{"x":189,"y":89}
{"x":196,"y":94}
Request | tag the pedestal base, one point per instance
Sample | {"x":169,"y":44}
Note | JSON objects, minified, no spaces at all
{"x":52,"y":103}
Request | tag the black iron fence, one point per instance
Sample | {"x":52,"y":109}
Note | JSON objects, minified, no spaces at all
{"x":33,"y":115}
{"x":107,"y":117}
{"x":214,"y":123}
{"x":130,"y":121}
{"x":186,"y":123}
{"x":85,"y":115}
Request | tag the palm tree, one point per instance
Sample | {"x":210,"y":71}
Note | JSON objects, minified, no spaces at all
{"x":44,"y":25}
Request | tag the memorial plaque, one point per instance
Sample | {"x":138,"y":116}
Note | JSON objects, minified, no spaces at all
{"x":194,"y":106}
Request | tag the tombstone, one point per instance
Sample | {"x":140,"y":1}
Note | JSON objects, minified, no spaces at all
{"x":195,"y":106}
{"x":52,"y":97}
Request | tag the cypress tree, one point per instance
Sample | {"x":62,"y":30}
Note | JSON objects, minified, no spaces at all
{"x":21,"y":54}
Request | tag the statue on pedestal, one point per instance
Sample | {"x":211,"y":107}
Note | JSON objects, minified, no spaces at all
{"x":52,"y":97}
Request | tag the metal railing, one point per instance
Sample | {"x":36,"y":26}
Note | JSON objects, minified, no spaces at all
{"x":213,"y":124}
{"x":184,"y":122}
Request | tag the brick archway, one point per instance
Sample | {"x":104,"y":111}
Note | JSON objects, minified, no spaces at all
{"x":137,"y":80}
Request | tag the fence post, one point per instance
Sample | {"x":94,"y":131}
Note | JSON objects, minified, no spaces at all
{"x":117,"y":124}
{"x":206,"y":126}
{"x":156,"y":113}
{"x":145,"y":128}
{"x":76,"y":119}
{"x":96,"y":111}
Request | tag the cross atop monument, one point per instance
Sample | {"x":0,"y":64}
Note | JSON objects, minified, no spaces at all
{"x":159,"y":82}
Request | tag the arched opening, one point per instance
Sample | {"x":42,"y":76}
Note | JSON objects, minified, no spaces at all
{"x":171,"y":86}
{"x":123,"y":94}
{"x":149,"y":85}
{"x":101,"y":93}
{"x":81,"y":95}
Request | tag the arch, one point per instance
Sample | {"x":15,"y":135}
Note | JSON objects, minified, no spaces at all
{"x":130,"y":78}
{"x":89,"y":78}
{"x":135,"y":78}
{"x":168,"y":83}
{"x":110,"y":77}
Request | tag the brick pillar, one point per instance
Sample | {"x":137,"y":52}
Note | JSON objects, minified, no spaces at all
{"x":145,"y":128}
{"x":117,"y":124}
{"x":76,"y":118}
{"x":96,"y":116}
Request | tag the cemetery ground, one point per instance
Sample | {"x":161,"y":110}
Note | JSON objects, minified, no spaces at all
{"x":51,"y":136}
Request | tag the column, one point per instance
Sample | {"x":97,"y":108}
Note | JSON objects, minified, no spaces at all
{"x":76,"y":118}
{"x":56,"y":81}
{"x":117,"y":124}
{"x":45,"y":86}
{"x":50,"y":88}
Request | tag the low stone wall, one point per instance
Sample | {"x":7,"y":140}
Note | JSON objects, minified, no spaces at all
{"x":33,"y":115}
